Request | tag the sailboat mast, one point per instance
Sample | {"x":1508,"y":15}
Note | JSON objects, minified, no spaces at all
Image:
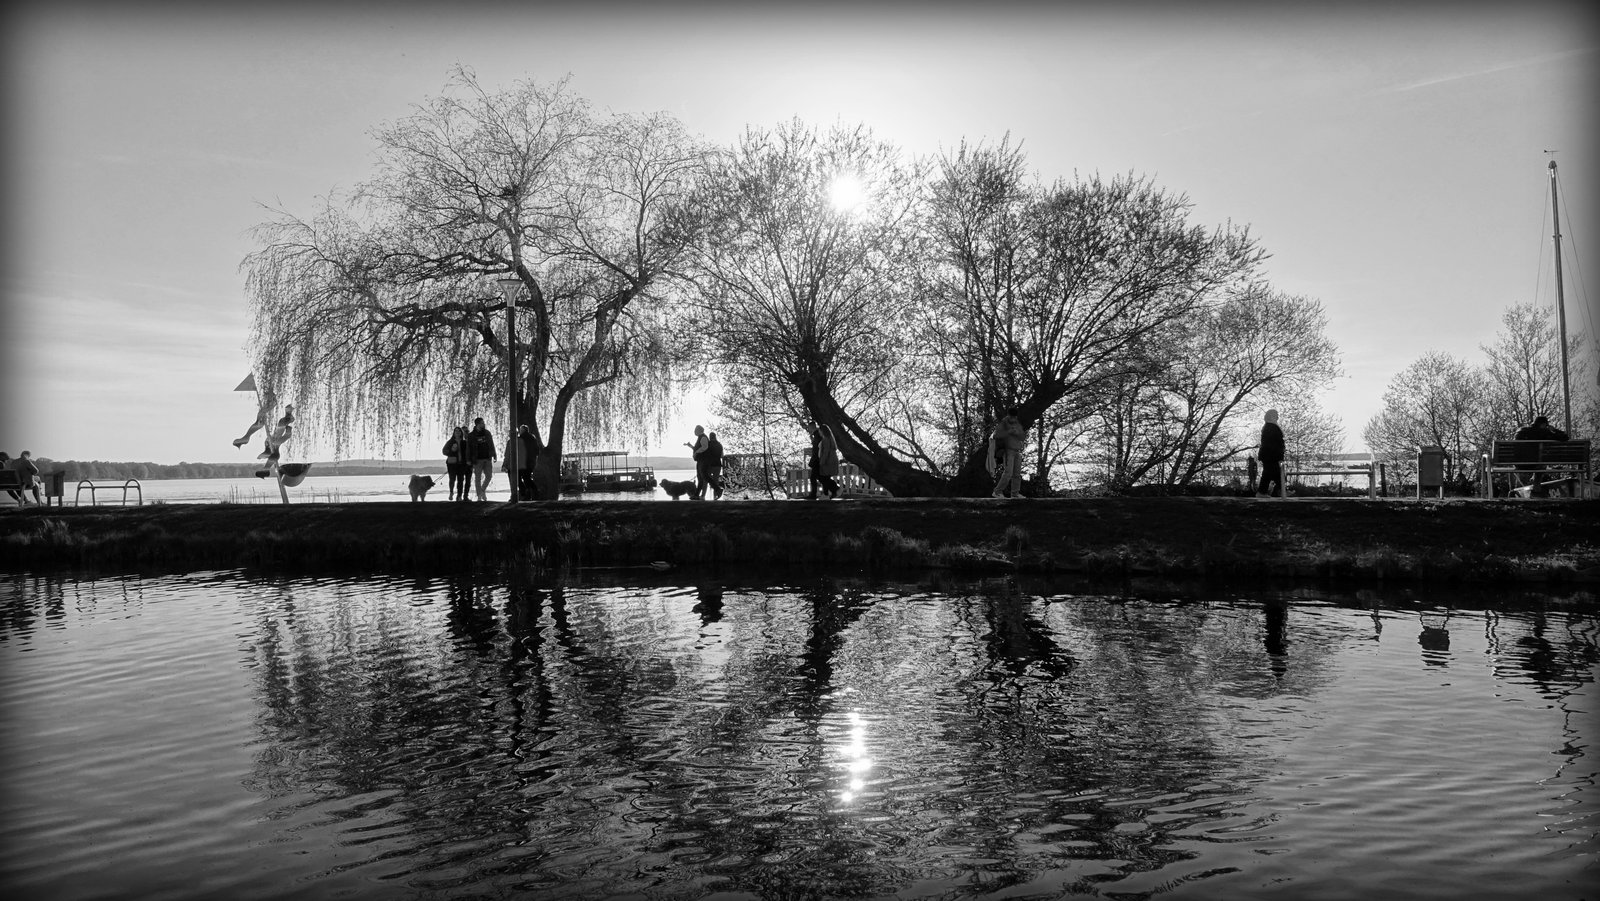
{"x":1561,"y":304}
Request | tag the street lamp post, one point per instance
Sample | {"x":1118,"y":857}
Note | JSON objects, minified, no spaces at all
{"x":511,"y":286}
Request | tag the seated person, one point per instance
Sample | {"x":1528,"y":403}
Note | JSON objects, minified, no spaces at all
{"x":1540,"y":430}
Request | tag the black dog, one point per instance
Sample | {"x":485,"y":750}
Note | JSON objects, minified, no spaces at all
{"x":676,"y":490}
{"x":419,"y":487}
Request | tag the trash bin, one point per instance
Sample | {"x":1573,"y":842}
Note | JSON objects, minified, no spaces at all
{"x":1430,"y":469}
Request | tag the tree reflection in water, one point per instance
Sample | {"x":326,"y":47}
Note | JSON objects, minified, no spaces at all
{"x":832,"y":740}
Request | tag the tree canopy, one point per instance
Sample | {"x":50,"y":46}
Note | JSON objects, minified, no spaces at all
{"x":953,"y":291}
{"x":380,"y":313}
{"x":821,"y":274}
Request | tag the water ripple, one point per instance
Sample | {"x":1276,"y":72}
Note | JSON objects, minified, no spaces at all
{"x":214,"y":735}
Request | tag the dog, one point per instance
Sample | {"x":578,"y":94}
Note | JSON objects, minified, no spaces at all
{"x":419,"y":487}
{"x":676,"y":490}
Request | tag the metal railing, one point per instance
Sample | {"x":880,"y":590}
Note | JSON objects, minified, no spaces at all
{"x":77,"y":499}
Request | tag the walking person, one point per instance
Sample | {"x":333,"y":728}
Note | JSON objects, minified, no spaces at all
{"x":1271,"y":453}
{"x":480,"y":443}
{"x":713,"y":465}
{"x":1005,"y":454}
{"x":697,"y":449}
{"x":456,"y":463}
{"x":824,"y":462}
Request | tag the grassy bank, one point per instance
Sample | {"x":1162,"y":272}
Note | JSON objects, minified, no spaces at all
{"x":1213,"y":538}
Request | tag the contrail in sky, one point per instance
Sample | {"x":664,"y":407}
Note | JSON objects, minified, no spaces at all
{"x":1502,"y":67}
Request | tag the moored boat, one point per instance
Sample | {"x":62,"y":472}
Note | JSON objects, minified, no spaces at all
{"x":608,"y":470}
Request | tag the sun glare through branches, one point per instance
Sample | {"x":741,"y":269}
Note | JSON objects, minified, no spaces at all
{"x":847,"y":193}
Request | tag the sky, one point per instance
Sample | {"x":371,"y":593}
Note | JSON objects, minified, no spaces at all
{"x":1391,"y":158}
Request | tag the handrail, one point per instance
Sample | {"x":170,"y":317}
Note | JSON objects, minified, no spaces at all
{"x":852,"y":480}
{"x":94,"y":500}
{"x":1368,"y":469}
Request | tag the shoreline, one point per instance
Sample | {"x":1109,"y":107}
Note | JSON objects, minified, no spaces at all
{"x":1218,"y":539}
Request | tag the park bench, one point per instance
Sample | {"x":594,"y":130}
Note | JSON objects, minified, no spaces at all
{"x":1538,"y":459}
{"x":1370,"y":470}
{"x":10,"y":480}
{"x":50,"y":483}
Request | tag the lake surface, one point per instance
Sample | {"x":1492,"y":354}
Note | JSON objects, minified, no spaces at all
{"x":222,"y":736}
{"x":318,"y":489}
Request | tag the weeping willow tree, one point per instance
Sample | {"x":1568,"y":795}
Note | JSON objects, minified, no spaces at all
{"x":382,"y":317}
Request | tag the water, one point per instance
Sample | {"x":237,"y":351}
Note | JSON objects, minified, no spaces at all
{"x":318,"y":489}
{"x":216,"y":735}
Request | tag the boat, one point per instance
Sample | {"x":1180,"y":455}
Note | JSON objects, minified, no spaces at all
{"x":606,"y":470}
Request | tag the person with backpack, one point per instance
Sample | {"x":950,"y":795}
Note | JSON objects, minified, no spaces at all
{"x":480,"y":445}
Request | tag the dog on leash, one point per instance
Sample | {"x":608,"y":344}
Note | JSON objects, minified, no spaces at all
{"x":676,"y":490}
{"x":419,"y":487}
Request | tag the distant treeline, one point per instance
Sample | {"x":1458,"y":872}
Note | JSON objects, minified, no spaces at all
{"x":113,"y":471}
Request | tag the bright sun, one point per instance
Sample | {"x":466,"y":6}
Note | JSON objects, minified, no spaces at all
{"x":847,"y":192}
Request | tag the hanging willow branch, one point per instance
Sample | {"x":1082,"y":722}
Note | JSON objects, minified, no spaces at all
{"x":381,"y":317}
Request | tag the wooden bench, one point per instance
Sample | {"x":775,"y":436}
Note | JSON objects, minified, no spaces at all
{"x":49,"y":484}
{"x":11,"y":480}
{"x":1538,"y":459}
{"x":1370,"y":470}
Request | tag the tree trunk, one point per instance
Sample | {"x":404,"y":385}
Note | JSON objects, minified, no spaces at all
{"x":898,"y":477}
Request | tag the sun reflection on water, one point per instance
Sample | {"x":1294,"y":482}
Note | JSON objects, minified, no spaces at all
{"x":854,"y":759}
